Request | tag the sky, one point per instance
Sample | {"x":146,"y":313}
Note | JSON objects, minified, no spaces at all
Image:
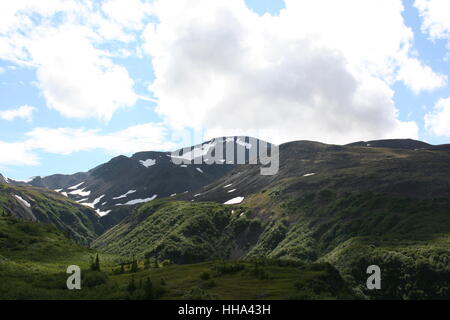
{"x":84,"y":81}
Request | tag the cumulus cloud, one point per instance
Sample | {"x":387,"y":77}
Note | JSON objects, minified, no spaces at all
{"x":16,"y":154}
{"x":129,"y":14}
{"x":77,"y":79}
{"x":149,"y":136}
{"x":308,"y":73}
{"x":438,"y":121}
{"x":419,"y":77}
{"x":65,"y":41}
{"x":23,"y":112}
{"x":435,"y":15}
{"x":65,"y":141}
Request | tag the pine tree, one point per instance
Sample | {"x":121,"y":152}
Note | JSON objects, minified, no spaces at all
{"x":148,"y":289}
{"x":156,"y":261}
{"x":92,"y":264}
{"x":146,"y":263}
{"x":134,"y":265}
{"x":97,"y":263}
{"x":131,"y":286}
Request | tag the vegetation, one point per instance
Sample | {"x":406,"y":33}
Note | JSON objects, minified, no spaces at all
{"x":77,"y":222}
{"x":34,"y":258}
{"x":293,"y":237}
{"x":305,"y":227}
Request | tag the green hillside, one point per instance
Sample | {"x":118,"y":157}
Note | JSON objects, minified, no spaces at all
{"x":78,"y":222}
{"x":35,"y":256}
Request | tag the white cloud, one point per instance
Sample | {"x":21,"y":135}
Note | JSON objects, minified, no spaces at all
{"x":65,"y":141}
{"x":149,"y":136}
{"x":65,"y":41}
{"x":16,"y":154}
{"x":308,"y":73}
{"x":438,"y":121}
{"x":418,"y":76}
{"x":435,"y":15}
{"x":76,"y":78}
{"x":128,"y":14}
{"x":23,"y":112}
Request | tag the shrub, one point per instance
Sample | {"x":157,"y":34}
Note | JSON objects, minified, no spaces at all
{"x":205,"y":276}
{"x":93,"y":278}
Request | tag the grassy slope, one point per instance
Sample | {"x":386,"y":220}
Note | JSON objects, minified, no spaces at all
{"x":78,"y":222}
{"x":183,"y":232}
{"x":34,"y":257}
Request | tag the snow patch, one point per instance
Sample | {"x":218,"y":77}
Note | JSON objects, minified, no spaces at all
{"x":81,"y":193}
{"x":148,"y":163}
{"x":232,"y":190}
{"x":136,"y":201}
{"x":235,"y":200}
{"x":75,"y":186}
{"x":58,"y":190}
{"x":93,"y":204}
{"x":173,"y":194}
{"x":26,"y":203}
{"x":199,"y":170}
{"x":308,"y":174}
{"x":228,"y":185}
{"x":102,"y":213}
{"x":124,"y":195}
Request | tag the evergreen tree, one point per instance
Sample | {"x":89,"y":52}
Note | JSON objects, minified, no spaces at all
{"x":148,"y":289}
{"x":156,"y":260}
{"x":131,"y":286}
{"x":134,"y":266}
{"x":97,"y":263}
{"x":92,"y":264}
{"x":146,"y":263}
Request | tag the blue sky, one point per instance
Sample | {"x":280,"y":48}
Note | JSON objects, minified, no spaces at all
{"x":156,"y":76}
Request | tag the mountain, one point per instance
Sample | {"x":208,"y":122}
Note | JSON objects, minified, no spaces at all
{"x":3,"y":179}
{"x":78,"y":222}
{"x":114,"y":187}
{"x":408,"y":144}
{"x":352,"y":206}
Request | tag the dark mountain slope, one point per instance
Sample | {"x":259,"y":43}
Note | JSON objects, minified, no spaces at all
{"x":36,"y":204}
{"x":408,"y":144}
{"x":114,"y":187}
{"x":312,"y":166}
